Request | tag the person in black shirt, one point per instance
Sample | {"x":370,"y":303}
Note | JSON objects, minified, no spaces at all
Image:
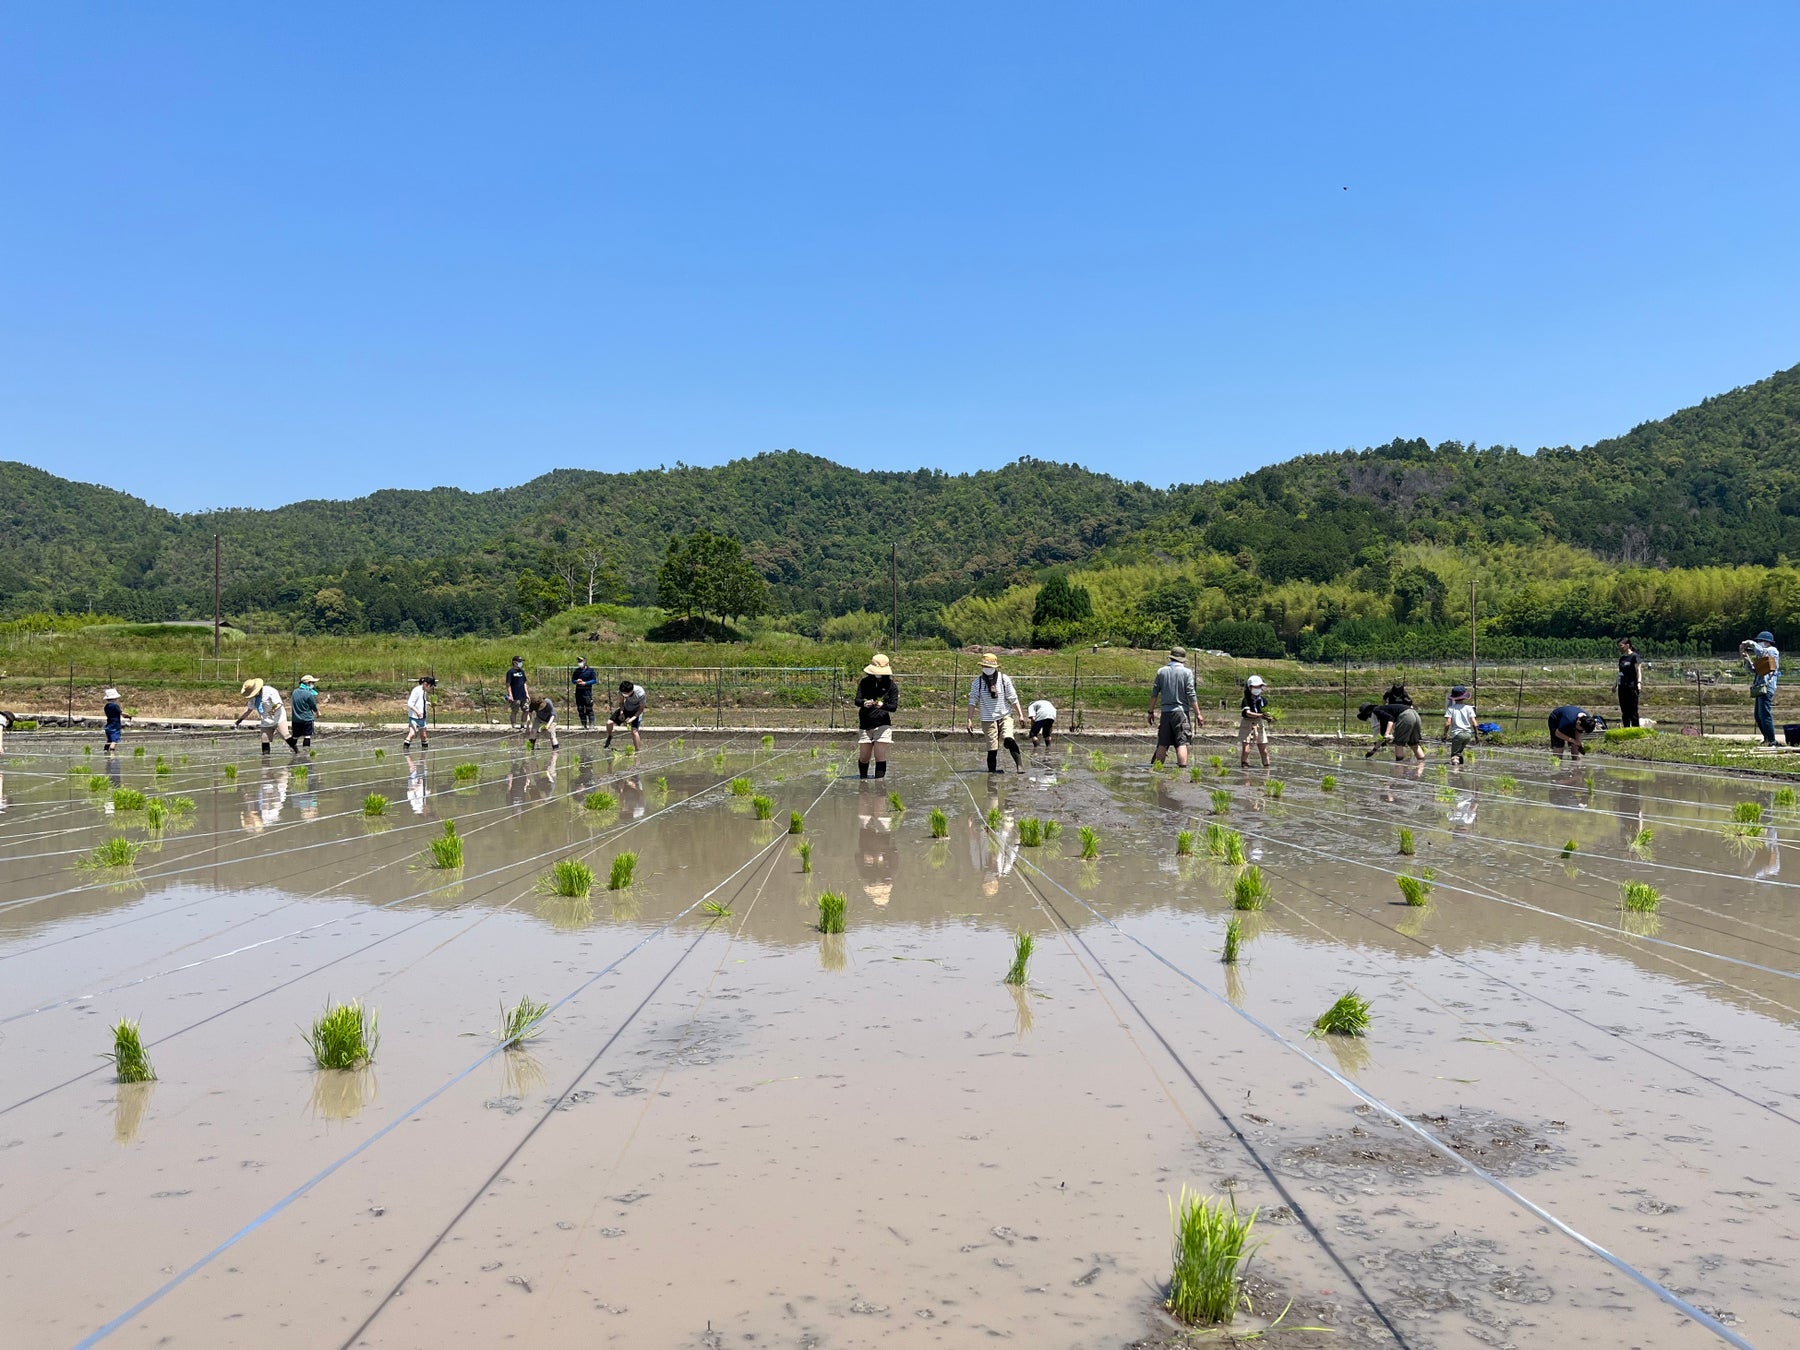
{"x":518,"y":694}
{"x":1630,"y":683}
{"x":584,"y":678}
{"x":877,"y":697}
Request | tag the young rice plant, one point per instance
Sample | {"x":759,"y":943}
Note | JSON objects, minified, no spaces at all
{"x":447,"y":848}
{"x":1234,"y":938}
{"x":344,"y":1036}
{"x":115,"y":852}
{"x":1416,"y":889}
{"x":131,"y":1063}
{"x":470,"y":773}
{"x":1639,"y":897}
{"x":128,"y":799}
{"x":831,"y":912}
{"x":741,"y":787}
{"x":1090,"y":842}
{"x":1031,"y":832}
{"x":1019,"y":971}
{"x":599,"y":800}
{"x":1212,"y":1248}
{"x":1328,"y":783}
{"x":375,"y":805}
{"x":1349,"y":1016}
{"x":805,"y":852}
{"x":763,"y":807}
{"x":1251,"y":889}
{"x":1184,"y":843}
{"x":571,"y":878}
{"x":940,"y":824}
{"x":521,"y":1022}
{"x":1221,"y":801}
{"x":1406,"y":842}
{"x":624,"y":868}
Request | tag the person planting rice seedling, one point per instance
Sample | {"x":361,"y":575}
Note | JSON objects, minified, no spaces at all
{"x":1459,"y":723}
{"x":264,"y":701}
{"x":994,"y":701}
{"x":1253,"y":722}
{"x":1174,"y":708}
{"x":116,"y":717}
{"x":1568,"y":724}
{"x":629,"y":713}
{"x":543,"y":718}
{"x":584,"y":677}
{"x":418,"y":707}
{"x":1042,"y":717}
{"x":305,"y":705}
{"x":1407,"y":735}
{"x":1760,"y":655}
{"x":877,"y":699}
{"x":518,"y":693}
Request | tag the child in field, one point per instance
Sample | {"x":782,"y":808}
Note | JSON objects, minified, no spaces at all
{"x":271,"y":717}
{"x":1459,"y":722}
{"x":629,"y":713}
{"x":1253,"y":722}
{"x":543,"y":717}
{"x":116,"y":717}
{"x":418,"y":705}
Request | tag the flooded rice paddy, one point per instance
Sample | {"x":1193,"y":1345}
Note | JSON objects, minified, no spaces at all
{"x":736,"y":1130}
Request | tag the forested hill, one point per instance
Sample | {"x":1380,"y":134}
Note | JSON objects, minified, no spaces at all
{"x":1717,"y":483}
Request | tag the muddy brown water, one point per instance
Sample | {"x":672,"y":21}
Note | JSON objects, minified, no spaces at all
{"x":750,"y":1133}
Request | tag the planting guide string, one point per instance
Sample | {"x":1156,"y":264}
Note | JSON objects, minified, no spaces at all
{"x":408,"y":856}
{"x":1661,"y":1291}
{"x":1071,"y":938}
{"x":96,"y":1336}
{"x":589,"y":846}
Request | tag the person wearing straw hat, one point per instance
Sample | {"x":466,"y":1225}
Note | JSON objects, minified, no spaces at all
{"x":116,"y":717}
{"x":305,"y":704}
{"x":877,"y":698}
{"x":1174,"y":708}
{"x":993,"y":698}
{"x":264,"y":700}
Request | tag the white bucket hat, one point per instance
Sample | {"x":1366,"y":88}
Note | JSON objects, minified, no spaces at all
{"x":111,"y":692}
{"x":1255,"y":682}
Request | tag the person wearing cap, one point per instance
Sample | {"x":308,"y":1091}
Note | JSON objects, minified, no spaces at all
{"x":1174,"y":708}
{"x":1459,"y":723}
{"x":1253,"y":722}
{"x":1764,"y":660}
{"x":584,"y":678}
{"x":264,"y":700}
{"x":518,"y":693}
{"x":877,"y":699}
{"x":993,"y":699}
{"x":629,"y":713}
{"x":304,"y":702}
{"x":418,"y":705}
{"x":116,"y":717}
{"x":543,"y":717}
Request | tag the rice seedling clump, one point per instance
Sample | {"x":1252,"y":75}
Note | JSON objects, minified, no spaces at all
{"x":1234,"y":938}
{"x":1031,"y":832}
{"x":805,"y":852}
{"x":1019,"y":971}
{"x":796,"y":823}
{"x":155,"y":813}
{"x":994,"y":817}
{"x":128,"y":799}
{"x":131,"y":1063}
{"x":1328,"y":783}
{"x":1212,"y":1248}
{"x":764,"y":807}
{"x":1250,"y":890}
{"x":624,"y":868}
{"x":1098,"y":762}
{"x":1642,"y":839}
{"x":768,"y":742}
{"x":1276,"y":788}
{"x":831,"y":912}
{"x":1747,"y":813}
{"x":1184,"y":843}
{"x":374,"y":805}
{"x":895,"y":804}
{"x":1417,"y":890}
{"x":1569,"y":847}
{"x":741,"y":787}
{"x":1052,"y":831}
{"x":1194,"y":774}
{"x":1639,"y":897}
{"x":467,"y":773}
{"x":115,"y":852}
{"x":231,"y":771}
{"x":571,"y":878}
{"x":521,"y":1022}
{"x":1090,"y":842}
{"x":1406,"y":842}
{"x":1349,"y":1016}
{"x":447,"y":848}
{"x":1221,"y":801}
{"x":343,"y":1037}
{"x":940,"y":824}
{"x":599,"y":800}
{"x":1785,"y":796}
{"x":1506,"y":783}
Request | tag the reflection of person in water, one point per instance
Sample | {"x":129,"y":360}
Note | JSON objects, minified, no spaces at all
{"x":631,"y":798}
{"x":416,"y":792}
{"x":993,"y":852}
{"x":516,"y":779}
{"x":306,"y":797}
{"x":584,"y":774}
{"x":262,"y":808}
{"x":1631,"y":812}
{"x":1771,"y":863}
{"x":875,"y":856}
{"x":1462,"y":813}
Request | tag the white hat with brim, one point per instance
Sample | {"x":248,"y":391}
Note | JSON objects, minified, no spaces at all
{"x":111,"y":692}
{"x":879,"y":665}
{"x":252,"y":687}
{"x":1255,"y":681}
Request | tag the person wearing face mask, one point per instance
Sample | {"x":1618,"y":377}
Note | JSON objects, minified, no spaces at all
{"x":993,"y":699}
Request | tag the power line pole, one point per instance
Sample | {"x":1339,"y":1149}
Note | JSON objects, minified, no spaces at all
{"x":216,"y":557}
{"x":894,"y":580}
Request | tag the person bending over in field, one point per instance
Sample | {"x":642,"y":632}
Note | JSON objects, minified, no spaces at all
{"x":1568,"y":724}
{"x":1042,"y":716}
{"x":543,"y":718}
{"x":271,"y":717}
{"x":629,"y":713}
{"x":1408,"y":735}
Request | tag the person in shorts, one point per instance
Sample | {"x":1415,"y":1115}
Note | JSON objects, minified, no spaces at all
{"x":1459,"y":723}
{"x":518,"y":694}
{"x":1174,"y":708}
{"x":877,"y":698}
{"x":116,"y":717}
{"x":993,"y":699}
{"x":304,"y":702}
{"x":629,"y":713}
{"x":418,"y":709}
{"x":264,"y":700}
{"x":1568,"y":724}
{"x":1253,"y":722}
{"x":1408,"y":735}
{"x":1042,"y":717}
{"x":543,"y":718}
{"x":584,"y":677}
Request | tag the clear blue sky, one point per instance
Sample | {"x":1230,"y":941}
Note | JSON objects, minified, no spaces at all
{"x":252,"y":253}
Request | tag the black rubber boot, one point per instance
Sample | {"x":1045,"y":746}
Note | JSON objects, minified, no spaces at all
{"x":265,"y":747}
{"x":862,"y":769}
{"x":993,"y":761}
{"x":881,"y":768}
{"x":1012,"y":748}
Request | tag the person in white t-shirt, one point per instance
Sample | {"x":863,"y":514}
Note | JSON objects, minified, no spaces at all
{"x":1459,"y":722}
{"x":418,"y":704}
{"x":1042,"y":716}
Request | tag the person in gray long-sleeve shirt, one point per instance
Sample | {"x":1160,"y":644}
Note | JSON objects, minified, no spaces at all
{"x":1174,"y":708}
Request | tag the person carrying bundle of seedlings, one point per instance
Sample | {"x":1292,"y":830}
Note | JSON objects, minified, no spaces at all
{"x":993,"y":699}
{"x":518,"y":693}
{"x":1568,"y":724}
{"x":305,"y":703}
{"x":543,"y":717}
{"x":584,"y":678}
{"x":271,"y":716}
{"x":1253,"y":722}
{"x":1042,"y":716}
{"x":116,"y":717}
{"x":877,"y":699}
{"x":1459,"y":723}
{"x":418,"y":706}
{"x":629,"y":713}
{"x":1174,"y":708}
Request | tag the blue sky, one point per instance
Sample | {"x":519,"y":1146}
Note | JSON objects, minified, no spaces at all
{"x":250,"y":254}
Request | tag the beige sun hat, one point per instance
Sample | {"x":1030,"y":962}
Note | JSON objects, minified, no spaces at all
{"x":879,"y":665}
{"x":252,"y":687}
{"x":110,"y":692}
{"x":990,"y":662}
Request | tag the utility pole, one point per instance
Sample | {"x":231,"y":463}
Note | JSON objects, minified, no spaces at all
{"x":894,"y":580}
{"x":216,"y":557}
{"x":1474,"y":660}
